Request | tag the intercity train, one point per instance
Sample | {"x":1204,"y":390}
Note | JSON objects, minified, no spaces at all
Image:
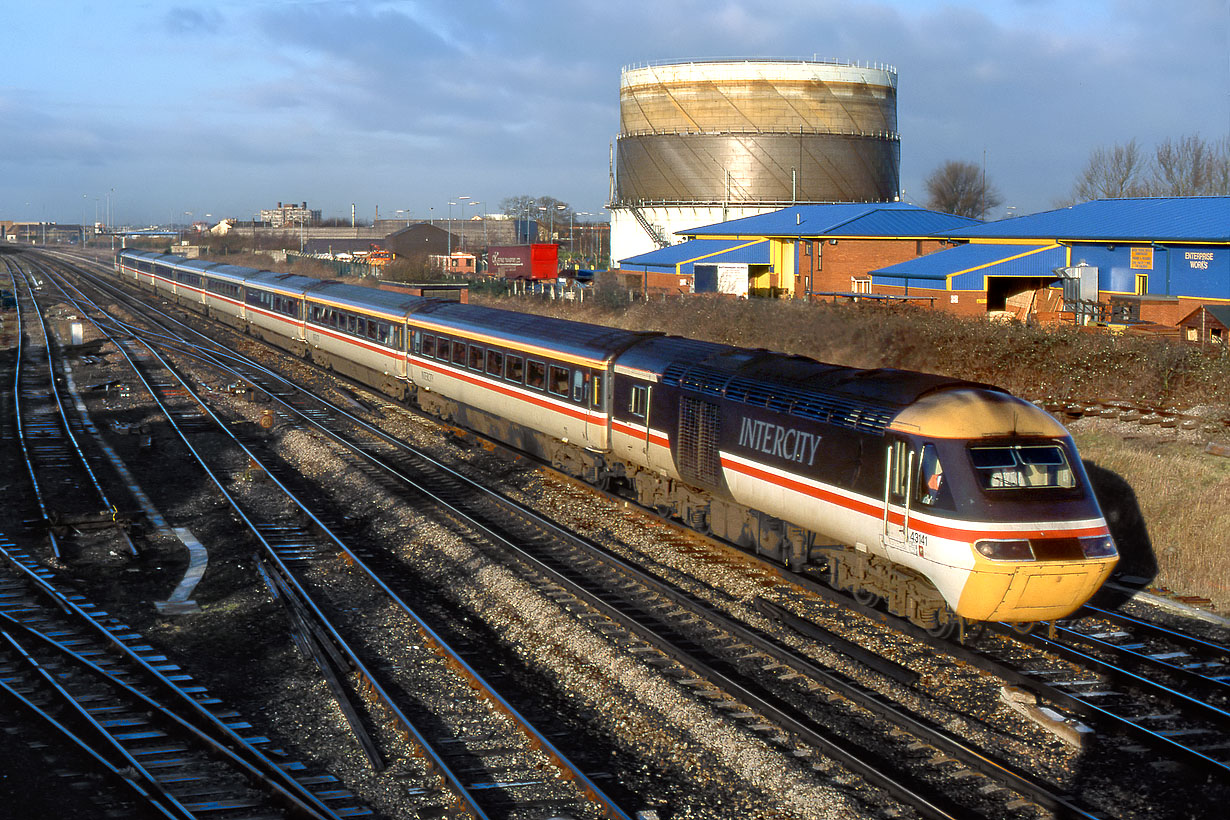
{"x":942,"y":499}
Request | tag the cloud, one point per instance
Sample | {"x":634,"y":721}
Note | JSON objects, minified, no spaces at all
{"x":411,"y":102}
{"x":181,"y":20}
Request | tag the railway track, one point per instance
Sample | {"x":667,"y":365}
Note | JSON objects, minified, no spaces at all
{"x":1060,"y":804}
{"x":47,"y":434}
{"x":133,"y":720}
{"x":303,"y":559}
{"x":600,"y":583}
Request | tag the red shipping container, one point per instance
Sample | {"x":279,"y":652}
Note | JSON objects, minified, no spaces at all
{"x":537,"y":261}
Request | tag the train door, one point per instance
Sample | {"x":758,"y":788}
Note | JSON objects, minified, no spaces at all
{"x":401,"y":343}
{"x":898,"y":474}
{"x":593,"y":398}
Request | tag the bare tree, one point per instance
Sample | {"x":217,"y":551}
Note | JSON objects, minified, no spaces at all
{"x":1118,"y":171}
{"x":1189,"y":166}
{"x":961,"y":188}
{"x":549,"y":212}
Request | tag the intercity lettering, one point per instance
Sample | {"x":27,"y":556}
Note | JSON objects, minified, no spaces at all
{"x":784,"y":442}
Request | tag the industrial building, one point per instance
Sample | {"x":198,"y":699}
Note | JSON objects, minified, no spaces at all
{"x":287,"y":214}
{"x":1133,"y":262}
{"x":806,"y":251}
{"x":1149,"y":260}
{"x":709,"y":141}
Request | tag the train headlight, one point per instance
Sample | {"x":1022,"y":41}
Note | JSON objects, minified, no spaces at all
{"x":1016,"y":549}
{"x":1099,"y":546}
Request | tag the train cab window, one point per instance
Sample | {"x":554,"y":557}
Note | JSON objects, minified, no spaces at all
{"x":443,"y":349}
{"x":558,"y":383}
{"x":930,"y":488}
{"x":535,"y":375}
{"x":638,"y":400}
{"x":459,"y":354}
{"x":578,"y":386}
{"x":427,"y":345}
{"x":477,"y":357}
{"x":1022,"y":467}
{"x":514,"y":368}
{"x":495,"y":363}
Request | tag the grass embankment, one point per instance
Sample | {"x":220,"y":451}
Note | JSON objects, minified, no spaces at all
{"x":1168,"y":501}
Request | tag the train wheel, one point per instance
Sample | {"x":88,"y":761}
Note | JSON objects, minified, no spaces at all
{"x":866,"y":597}
{"x":944,"y":625}
{"x":1023,"y":627}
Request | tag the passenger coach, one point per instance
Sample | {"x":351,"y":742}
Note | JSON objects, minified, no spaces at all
{"x":534,"y":382}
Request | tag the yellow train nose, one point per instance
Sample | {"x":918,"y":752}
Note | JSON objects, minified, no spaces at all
{"x":1031,"y":591}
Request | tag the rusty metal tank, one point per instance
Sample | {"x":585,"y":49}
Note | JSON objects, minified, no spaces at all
{"x":757,"y":131}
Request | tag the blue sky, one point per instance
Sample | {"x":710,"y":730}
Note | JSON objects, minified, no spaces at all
{"x":227,"y":107}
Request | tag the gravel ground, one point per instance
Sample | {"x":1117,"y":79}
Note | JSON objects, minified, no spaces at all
{"x":669,"y":751}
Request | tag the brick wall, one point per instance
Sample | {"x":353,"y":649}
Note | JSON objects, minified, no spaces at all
{"x":831,"y":267}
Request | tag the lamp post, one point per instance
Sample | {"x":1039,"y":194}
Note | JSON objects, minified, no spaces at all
{"x":584,"y":255}
{"x":481,"y":216}
{"x":405,"y":211}
{"x":461,"y":242}
{"x":448,"y":262}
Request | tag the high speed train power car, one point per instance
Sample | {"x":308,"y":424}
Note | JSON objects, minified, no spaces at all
{"x":943,"y":498}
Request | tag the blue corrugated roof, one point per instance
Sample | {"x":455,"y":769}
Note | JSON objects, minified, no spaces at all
{"x":840,"y":219}
{"x":695,"y":250}
{"x":1158,"y":219}
{"x":998,"y":260}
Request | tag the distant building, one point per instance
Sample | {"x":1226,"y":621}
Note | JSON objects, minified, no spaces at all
{"x":461,"y":264}
{"x":1206,"y":324}
{"x":418,"y":242}
{"x":288,"y":214}
{"x":806,"y":252}
{"x":1150,"y":260}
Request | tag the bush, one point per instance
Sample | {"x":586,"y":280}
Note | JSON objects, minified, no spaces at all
{"x":1061,"y":363}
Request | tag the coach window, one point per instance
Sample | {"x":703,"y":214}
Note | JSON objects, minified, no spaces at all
{"x":360,"y":327}
{"x":495,"y":363}
{"x":535,"y":375}
{"x":578,"y":386}
{"x":459,"y":353}
{"x":514,"y":368}
{"x":558,"y":383}
{"x":444,"y":349}
{"x":428,"y":345}
{"x":638,"y":400}
{"x":477,"y":357}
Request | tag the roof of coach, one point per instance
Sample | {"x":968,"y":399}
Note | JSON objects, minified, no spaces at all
{"x":232,"y":273}
{"x":155,"y":256}
{"x":290,"y":284}
{"x":365,"y":299}
{"x":867,"y":400}
{"x":136,"y":254}
{"x":561,"y":337}
{"x":195,"y":265}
